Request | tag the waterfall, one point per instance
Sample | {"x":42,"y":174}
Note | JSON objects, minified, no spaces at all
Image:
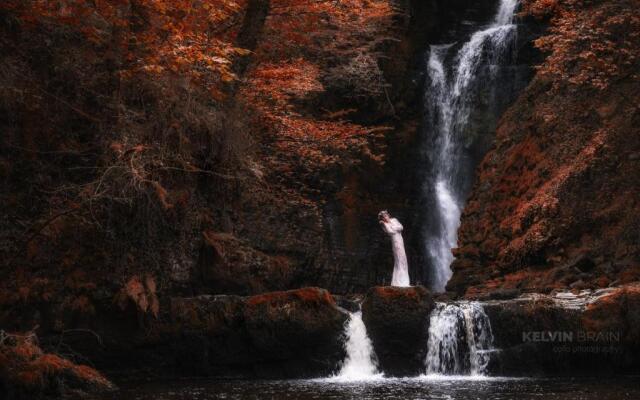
{"x":360,"y":362}
{"x":457,"y":82}
{"x":460,"y":340}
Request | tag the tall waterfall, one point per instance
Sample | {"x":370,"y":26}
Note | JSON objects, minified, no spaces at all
{"x":460,"y":340}
{"x":459,"y":79}
{"x":360,"y":363}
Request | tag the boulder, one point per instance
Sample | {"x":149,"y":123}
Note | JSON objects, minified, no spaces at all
{"x":397,"y":321}
{"x":518,"y":326}
{"x":292,"y":334}
{"x":209,"y":335}
{"x":299,"y":332}
{"x":595,"y":333}
{"x":619,"y":313}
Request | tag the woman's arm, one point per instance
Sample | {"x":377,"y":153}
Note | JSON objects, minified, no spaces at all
{"x":386,"y":226}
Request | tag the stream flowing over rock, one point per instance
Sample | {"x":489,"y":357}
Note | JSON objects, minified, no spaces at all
{"x":360,"y":362}
{"x":460,"y":340}
{"x":591,"y":332}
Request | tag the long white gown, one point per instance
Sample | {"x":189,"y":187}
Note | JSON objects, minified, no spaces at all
{"x":400,"y":275}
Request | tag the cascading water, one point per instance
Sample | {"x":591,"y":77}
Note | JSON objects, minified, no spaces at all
{"x":463,"y":85}
{"x":458,"y":83}
{"x":360,"y":363}
{"x":460,"y":340}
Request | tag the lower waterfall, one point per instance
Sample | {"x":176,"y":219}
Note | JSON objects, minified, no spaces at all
{"x":460,"y":340}
{"x":360,"y":362}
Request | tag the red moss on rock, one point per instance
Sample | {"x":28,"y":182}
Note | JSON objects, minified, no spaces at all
{"x":393,"y":293}
{"x":313,"y":295}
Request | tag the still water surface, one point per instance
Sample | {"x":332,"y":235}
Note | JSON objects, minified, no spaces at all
{"x":463,"y":388}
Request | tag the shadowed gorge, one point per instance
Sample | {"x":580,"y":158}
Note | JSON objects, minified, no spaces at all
{"x":469,"y":83}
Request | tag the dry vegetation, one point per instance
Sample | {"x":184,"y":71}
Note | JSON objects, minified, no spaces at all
{"x":131,"y":129}
{"x":28,"y":372}
{"x":111,"y":113}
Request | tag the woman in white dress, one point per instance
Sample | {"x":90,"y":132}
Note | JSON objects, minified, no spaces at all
{"x":393,"y":228}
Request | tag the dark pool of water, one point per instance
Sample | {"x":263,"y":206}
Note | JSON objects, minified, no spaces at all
{"x":411,"y":388}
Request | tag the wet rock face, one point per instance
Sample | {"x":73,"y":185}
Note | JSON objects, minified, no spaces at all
{"x":298,"y":327}
{"x":285,"y":334}
{"x":397,"y":321}
{"x":229,"y":265}
{"x":297,"y":333}
{"x":543,"y":335}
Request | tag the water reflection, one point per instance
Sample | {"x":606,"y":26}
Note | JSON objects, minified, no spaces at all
{"x":426,"y":387}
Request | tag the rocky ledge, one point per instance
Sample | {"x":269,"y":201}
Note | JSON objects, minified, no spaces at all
{"x":397,"y":321}
{"x":588,"y":333}
{"x":301,"y":334}
{"x":284,"y":334}
{"x":296,"y":333}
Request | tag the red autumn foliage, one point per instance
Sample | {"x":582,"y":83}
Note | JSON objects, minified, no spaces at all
{"x":135,"y":156}
{"x":589,"y":49}
{"x":307,"y":49}
{"x":29,"y":371}
{"x":560,"y":184}
{"x":186,"y":37}
{"x":142,"y":293}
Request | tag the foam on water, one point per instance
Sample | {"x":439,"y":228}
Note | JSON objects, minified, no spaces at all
{"x":360,"y":362}
{"x":460,"y":340}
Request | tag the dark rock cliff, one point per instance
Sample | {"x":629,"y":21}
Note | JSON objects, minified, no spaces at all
{"x":555,"y":199}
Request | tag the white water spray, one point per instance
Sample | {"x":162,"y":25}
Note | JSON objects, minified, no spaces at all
{"x":360,"y":363}
{"x":449,"y":100}
{"x":460,"y":340}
